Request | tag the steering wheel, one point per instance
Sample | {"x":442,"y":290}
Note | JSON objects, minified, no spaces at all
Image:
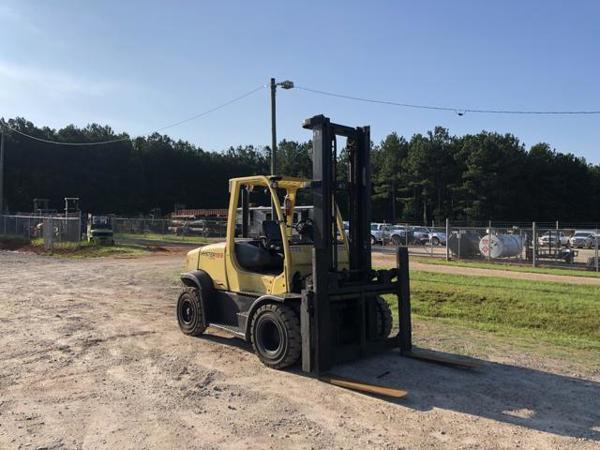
{"x":305,"y":227}
{"x":269,"y":245}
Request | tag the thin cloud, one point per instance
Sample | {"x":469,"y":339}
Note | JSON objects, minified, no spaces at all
{"x":11,"y":15}
{"x":55,"y":82}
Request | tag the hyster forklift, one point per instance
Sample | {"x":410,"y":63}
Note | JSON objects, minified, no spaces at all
{"x":301,"y":289}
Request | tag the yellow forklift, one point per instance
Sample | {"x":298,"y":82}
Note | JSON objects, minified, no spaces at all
{"x":301,"y":289}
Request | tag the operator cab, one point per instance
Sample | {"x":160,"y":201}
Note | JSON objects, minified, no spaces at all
{"x":260,"y":248}
{"x":274,"y":219}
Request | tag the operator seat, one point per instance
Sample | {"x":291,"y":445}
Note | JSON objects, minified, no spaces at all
{"x":252,"y":256}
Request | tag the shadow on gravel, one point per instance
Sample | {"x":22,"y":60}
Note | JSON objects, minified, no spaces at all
{"x":531,"y":398}
{"x":515,"y":395}
{"x":227,"y":340}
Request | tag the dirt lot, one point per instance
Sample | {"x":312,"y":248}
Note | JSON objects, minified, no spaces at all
{"x":91,"y":357}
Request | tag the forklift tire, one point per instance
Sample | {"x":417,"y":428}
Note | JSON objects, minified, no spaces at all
{"x":384,"y":318}
{"x":275,"y":335}
{"x":189,"y":312}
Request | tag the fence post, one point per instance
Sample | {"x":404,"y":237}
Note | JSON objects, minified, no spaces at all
{"x":447,"y":239}
{"x":534,"y":244}
{"x":459,"y":237}
{"x":489,"y":246}
{"x":525,"y":247}
{"x":596,"y":251}
{"x":431,"y":242}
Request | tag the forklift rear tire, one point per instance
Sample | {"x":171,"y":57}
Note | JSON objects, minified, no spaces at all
{"x":275,"y":335}
{"x":384,"y":318}
{"x":189,"y":312}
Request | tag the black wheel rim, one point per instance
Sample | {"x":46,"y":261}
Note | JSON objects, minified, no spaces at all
{"x":269,"y":337}
{"x":187,"y":312}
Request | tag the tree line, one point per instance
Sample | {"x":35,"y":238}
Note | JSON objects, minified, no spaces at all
{"x":470,"y":178}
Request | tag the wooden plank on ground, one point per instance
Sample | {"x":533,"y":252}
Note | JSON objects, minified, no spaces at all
{"x":360,"y":386}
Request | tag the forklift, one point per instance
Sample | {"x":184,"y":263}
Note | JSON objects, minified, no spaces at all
{"x":302,"y":290}
{"x":100,"y":230}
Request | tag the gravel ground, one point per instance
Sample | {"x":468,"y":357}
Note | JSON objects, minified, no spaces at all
{"x":91,"y":357}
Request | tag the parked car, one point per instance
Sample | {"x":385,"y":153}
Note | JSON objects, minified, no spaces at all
{"x":438,"y":237}
{"x":398,"y":234}
{"x":582,"y":239}
{"x":550,"y":238}
{"x":380,"y":233}
{"x":424,"y":235}
{"x":595,"y":237}
{"x":418,"y":235}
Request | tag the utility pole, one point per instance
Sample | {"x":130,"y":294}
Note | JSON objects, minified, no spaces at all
{"x":287,"y":84}
{"x":273,"y":128}
{"x":1,"y":172}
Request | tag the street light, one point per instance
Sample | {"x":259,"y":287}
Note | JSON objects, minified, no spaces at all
{"x":287,"y":84}
{"x":1,"y":171}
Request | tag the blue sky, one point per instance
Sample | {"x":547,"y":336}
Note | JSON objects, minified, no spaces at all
{"x":139,"y":65}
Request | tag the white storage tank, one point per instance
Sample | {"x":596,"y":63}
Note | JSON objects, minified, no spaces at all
{"x":501,"y":245}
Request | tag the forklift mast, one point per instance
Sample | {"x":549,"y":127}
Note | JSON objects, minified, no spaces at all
{"x":326,"y":189}
{"x":337,"y":317}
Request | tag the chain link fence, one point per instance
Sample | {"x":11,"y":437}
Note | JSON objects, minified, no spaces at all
{"x":172,"y":229}
{"x":50,"y":228}
{"x":531,"y":244}
{"x":523,"y":243}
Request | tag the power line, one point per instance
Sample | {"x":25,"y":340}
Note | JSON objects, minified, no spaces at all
{"x":459,"y":111}
{"x":72,"y":144}
{"x":114,"y":141}
{"x":216,"y":108}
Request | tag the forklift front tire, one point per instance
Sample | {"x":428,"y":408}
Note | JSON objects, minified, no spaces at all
{"x":190,"y":314}
{"x":275,"y":335}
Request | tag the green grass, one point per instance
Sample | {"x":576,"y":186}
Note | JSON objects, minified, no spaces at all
{"x":508,"y":267}
{"x":85,"y":249}
{"x":162,"y":237}
{"x":563,"y":314}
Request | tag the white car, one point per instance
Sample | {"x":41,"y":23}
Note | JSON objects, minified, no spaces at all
{"x":551,"y":238}
{"x":380,"y":233}
{"x":398,"y":234}
{"x":424,"y":235}
{"x":582,"y":239}
{"x":438,"y":237}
